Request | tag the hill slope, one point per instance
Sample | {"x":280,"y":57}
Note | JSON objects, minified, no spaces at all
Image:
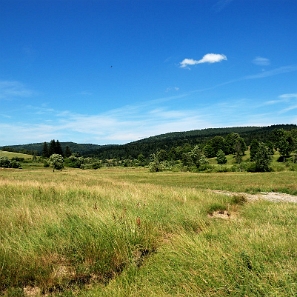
{"x":149,"y":145}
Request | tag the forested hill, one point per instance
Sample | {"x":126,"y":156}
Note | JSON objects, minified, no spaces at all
{"x":166,"y":141}
{"x":151,"y":144}
{"x":36,"y":148}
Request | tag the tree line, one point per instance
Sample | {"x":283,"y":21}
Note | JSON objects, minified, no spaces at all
{"x":54,"y":147}
{"x":185,"y":149}
{"x":196,"y":158}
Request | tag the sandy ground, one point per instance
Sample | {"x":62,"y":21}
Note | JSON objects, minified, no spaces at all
{"x":271,"y":196}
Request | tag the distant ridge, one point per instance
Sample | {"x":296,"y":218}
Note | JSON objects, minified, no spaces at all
{"x":37,"y":147}
{"x":150,"y":144}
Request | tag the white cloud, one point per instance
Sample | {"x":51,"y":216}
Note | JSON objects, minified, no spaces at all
{"x":12,"y":89}
{"x":208,"y":58}
{"x":261,"y":61}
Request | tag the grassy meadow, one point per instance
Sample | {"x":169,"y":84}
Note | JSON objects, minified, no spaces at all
{"x":129,"y":232}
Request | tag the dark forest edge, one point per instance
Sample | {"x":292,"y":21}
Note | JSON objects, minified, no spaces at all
{"x":214,"y":149}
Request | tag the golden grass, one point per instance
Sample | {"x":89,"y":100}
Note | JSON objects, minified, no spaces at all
{"x":10,"y":155}
{"x":128,"y":232}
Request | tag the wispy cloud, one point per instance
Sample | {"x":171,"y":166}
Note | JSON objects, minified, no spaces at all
{"x":287,"y":102}
{"x":208,"y":58}
{"x":86,"y":93}
{"x":134,"y":122}
{"x":261,"y":61}
{"x":13,"y":89}
{"x":121,"y":125}
{"x":221,"y":4}
{"x":282,"y":99}
{"x":280,"y":70}
{"x":291,"y":100}
{"x":169,"y":89}
{"x":288,"y":96}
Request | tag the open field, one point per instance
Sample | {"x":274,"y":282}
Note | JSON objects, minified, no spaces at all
{"x":129,"y":232}
{"x":15,"y":155}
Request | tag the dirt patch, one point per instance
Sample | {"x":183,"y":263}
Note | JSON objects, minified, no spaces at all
{"x":32,"y":291}
{"x":220,"y":214}
{"x":271,"y":196}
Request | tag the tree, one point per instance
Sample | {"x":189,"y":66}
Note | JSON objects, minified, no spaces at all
{"x":262,"y":158}
{"x":58,"y":148}
{"x":141,"y":160}
{"x":52,"y":147}
{"x":155,"y":165}
{"x":196,"y":155}
{"x":45,"y":150}
{"x":67,"y":152}
{"x":239,"y":149}
{"x":56,"y":161}
{"x":229,"y":143}
{"x":195,"y":158}
{"x":162,"y":154}
{"x":221,"y":157}
{"x":254,"y":149}
{"x":209,"y":151}
{"x":284,"y":142}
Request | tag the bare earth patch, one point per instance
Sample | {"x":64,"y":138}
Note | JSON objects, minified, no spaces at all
{"x":271,"y":196}
{"x":32,"y":291}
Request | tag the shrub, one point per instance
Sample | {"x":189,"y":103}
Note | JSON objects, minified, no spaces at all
{"x":56,"y":161}
{"x":96,"y":165}
{"x":15,"y":164}
{"x":4,"y":162}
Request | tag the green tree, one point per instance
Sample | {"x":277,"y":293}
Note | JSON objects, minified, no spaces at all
{"x":284,"y":142}
{"x":209,"y":151}
{"x":67,"y":152}
{"x":155,"y":165}
{"x":141,"y":159}
{"x":221,"y":157}
{"x":58,"y":148}
{"x":45,"y":150}
{"x":196,"y":155}
{"x":56,"y":161}
{"x":52,"y":147}
{"x":239,"y":149}
{"x":262,"y":158}
{"x":254,"y":149}
{"x":217,"y":143}
{"x":194,"y":158}
{"x":234,"y":144}
{"x":162,"y":154}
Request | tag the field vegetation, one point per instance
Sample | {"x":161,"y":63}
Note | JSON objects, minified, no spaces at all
{"x":120,"y":231}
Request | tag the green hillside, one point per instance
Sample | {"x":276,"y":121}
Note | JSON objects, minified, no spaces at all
{"x":11,"y":155}
{"x":148,"y":146}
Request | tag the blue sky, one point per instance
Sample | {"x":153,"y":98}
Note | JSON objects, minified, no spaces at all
{"x":116,"y":71}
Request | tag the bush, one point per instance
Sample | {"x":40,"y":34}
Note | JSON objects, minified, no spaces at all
{"x":56,"y":161}
{"x":15,"y":164}
{"x":4,"y":162}
{"x":251,"y":167}
{"x":221,"y":169}
{"x":96,"y":165}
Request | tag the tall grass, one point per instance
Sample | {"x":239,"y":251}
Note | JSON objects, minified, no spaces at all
{"x":132,"y":233}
